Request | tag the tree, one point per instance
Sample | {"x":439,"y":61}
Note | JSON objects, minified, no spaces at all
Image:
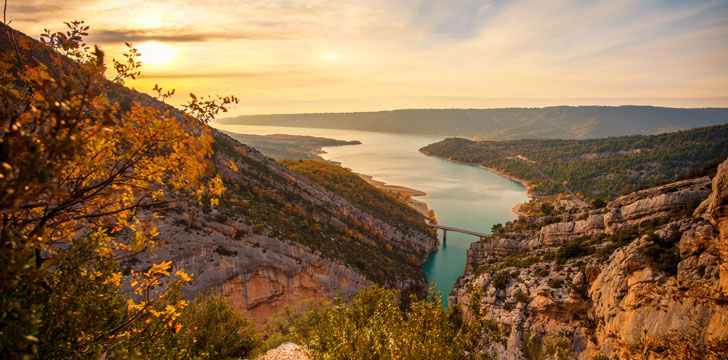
{"x":75,"y":170}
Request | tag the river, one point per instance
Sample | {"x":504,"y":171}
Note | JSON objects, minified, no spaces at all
{"x":462,"y":196}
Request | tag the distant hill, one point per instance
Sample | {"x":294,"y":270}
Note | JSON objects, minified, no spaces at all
{"x":597,"y":168}
{"x":279,"y":146}
{"x":563,"y":122}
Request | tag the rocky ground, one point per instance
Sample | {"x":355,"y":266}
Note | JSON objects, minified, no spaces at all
{"x":651,"y":267}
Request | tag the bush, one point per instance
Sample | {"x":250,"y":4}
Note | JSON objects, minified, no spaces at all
{"x":259,"y":229}
{"x":555,"y":283}
{"x":664,"y":253}
{"x":497,"y":229}
{"x":521,"y":297}
{"x":501,"y":280}
{"x":225,"y":252}
{"x":221,"y":218}
{"x":571,"y":250}
{"x":374,"y":326}
{"x":294,"y":322}
{"x":598,"y":203}
{"x":532,"y":349}
{"x":214,"y":330}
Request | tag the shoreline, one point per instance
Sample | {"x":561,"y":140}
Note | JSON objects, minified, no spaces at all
{"x":403,"y":191}
{"x":516,"y":209}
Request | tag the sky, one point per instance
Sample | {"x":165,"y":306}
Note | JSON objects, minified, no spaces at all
{"x":293,"y":56}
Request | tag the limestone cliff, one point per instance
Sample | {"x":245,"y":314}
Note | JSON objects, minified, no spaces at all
{"x":650,"y":268}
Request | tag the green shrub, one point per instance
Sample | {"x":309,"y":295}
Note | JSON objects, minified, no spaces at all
{"x":212,"y":329}
{"x":374,"y":326}
{"x":532,"y":349}
{"x":259,"y":229}
{"x":598,"y":203}
{"x":521,"y":297}
{"x":664,"y":253}
{"x":497,"y":229}
{"x":572,"y":249}
{"x":555,"y":283}
{"x":501,"y":280}
{"x":221,"y":250}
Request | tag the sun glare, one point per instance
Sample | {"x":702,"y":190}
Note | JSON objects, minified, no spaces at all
{"x":156,"y":53}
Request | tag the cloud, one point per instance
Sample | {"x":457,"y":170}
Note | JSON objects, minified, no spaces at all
{"x":215,"y":75}
{"x":416,"y":49}
{"x":178,"y":35}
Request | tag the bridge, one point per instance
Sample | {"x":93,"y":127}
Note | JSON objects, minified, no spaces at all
{"x":445,"y":229}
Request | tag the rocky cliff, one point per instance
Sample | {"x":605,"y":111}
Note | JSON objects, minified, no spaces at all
{"x":644,"y":277}
{"x":277,"y":237}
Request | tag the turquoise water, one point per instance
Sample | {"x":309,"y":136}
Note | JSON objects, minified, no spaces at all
{"x":462,"y":196}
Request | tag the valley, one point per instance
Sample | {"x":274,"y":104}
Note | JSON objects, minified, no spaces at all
{"x":135,"y":226}
{"x":462,"y":196}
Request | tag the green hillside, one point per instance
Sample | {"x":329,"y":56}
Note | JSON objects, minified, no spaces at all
{"x":597,"y":168}
{"x":351,"y":187}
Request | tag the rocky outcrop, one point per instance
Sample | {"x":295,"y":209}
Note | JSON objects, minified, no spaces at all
{"x":632,"y":299}
{"x":481,"y":253}
{"x":258,"y":274}
{"x":555,"y":234}
{"x":717,"y":211}
{"x":656,"y":202}
{"x":286,"y":351}
{"x":647,"y":265}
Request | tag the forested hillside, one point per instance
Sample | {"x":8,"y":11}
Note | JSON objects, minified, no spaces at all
{"x":558,"y":122}
{"x":351,"y":187}
{"x":596,"y":168}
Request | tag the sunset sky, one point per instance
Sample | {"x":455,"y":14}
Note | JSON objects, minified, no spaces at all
{"x":289,"y":56}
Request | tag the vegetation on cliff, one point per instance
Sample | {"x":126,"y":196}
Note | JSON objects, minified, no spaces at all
{"x":595,"y":168}
{"x":364,"y":196}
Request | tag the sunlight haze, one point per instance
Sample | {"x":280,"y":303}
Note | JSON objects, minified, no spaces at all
{"x":287,"y":56}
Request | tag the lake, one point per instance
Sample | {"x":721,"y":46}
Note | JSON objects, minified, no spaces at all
{"x":462,"y":196}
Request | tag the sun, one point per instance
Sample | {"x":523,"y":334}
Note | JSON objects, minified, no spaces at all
{"x":155,"y":53}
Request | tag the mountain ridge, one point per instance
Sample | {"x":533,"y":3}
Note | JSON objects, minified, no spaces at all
{"x":567,"y":122}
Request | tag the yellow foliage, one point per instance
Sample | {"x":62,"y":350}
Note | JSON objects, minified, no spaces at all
{"x":78,"y":167}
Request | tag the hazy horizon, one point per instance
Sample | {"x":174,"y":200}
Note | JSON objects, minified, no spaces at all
{"x":695,"y":103}
{"x":303,"y":56}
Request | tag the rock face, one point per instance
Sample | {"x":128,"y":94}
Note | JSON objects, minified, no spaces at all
{"x":647,"y":266}
{"x":717,"y":212}
{"x":258,"y":274}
